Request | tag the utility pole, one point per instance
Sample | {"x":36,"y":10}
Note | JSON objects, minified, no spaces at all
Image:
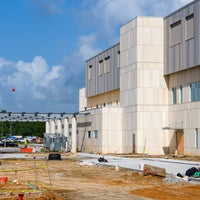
{"x":2,"y":129}
{"x":11,"y":127}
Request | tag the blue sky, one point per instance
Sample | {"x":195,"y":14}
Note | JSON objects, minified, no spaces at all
{"x":44,"y":45}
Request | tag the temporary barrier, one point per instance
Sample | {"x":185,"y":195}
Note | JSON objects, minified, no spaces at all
{"x":26,"y":150}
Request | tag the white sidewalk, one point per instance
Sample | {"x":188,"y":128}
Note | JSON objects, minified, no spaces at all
{"x":171,"y":166}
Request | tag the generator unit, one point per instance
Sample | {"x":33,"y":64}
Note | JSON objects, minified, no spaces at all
{"x":55,"y":141}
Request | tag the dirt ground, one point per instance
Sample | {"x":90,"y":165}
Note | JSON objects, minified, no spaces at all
{"x":40,"y":179}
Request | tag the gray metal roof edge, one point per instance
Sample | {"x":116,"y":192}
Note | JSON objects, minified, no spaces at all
{"x":192,"y":2}
{"x":103,"y":51}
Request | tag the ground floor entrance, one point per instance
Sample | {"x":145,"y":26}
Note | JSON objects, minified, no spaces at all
{"x":180,"y":142}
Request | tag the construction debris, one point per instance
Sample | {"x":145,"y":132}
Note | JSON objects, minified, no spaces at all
{"x":3,"y":179}
{"x":102,"y":159}
{"x":55,"y":156}
{"x":152,"y":170}
{"x":191,"y":171}
{"x":191,"y":174}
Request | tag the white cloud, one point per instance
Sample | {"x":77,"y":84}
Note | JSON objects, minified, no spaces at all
{"x":36,"y":69}
{"x":74,"y":64}
{"x":39,"y":75}
{"x":48,"y":7}
{"x":109,"y":15}
{"x":55,"y":73}
{"x":183,"y":2}
{"x":117,"y":11}
{"x":37,"y":86}
{"x":87,"y":46}
{"x":4,"y":62}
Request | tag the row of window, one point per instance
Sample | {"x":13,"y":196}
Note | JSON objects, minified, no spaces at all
{"x":195,"y":91}
{"x":177,"y":93}
{"x":104,"y":66}
{"x":95,"y":134}
{"x":176,"y":33}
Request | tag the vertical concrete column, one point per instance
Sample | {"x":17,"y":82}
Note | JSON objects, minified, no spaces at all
{"x":52,"y":127}
{"x":66,"y":131}
{"x":58,"y":126}
{"x":74,"y":129}
{"x":47,"y":127}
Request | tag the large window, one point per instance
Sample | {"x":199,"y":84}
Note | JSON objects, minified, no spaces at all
{"x":89,"y":134}
{"x":181,"y":94}
{"x":175,"y":33}
{"x":174,"y":96}
{"x":189,"y":27}
{"x":118,"y":59}
{"x":196,"y":138}
{"x":90,"y":72}
{"x":95,"y":134}
{"x":100,"y":67}
{"x":195,"y":91}
{"x":107,"y":65}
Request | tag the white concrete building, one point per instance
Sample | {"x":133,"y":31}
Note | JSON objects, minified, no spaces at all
{"x":143,"y":94}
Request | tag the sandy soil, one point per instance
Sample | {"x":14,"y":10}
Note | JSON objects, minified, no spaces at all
{"x":67,"y":179}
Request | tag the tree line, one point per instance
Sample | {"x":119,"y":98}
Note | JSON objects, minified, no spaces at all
{"x":22,"y":128}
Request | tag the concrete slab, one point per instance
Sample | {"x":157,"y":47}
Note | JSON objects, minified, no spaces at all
{"x":13,"y":155}
{"x":171,"y":166}
{"x":9,"y":150}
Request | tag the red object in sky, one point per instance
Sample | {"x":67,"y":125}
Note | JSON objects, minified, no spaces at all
{"x":13,"y":89}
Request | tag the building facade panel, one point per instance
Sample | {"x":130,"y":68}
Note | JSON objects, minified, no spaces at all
{"x":182,"y":38}
{"x":183,"y":109}
{"x":148,"y":89}
{"x":102,"y":73}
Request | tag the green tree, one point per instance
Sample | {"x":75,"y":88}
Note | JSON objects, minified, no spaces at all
{"x":22,"y":128}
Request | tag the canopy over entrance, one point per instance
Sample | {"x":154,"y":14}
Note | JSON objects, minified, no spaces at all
{"x":175,"y":126}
